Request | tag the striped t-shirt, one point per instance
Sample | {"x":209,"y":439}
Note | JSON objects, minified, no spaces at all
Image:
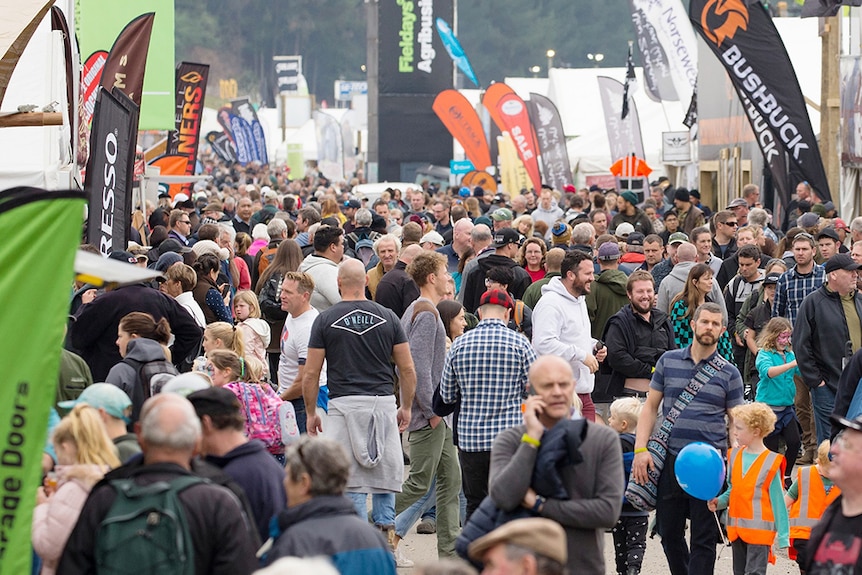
{"x":704,"y":418}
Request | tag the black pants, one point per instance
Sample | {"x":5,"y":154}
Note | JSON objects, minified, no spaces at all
{"x":675,"y":506}
{"x":630,"y":542}
{"x":475,"y":466}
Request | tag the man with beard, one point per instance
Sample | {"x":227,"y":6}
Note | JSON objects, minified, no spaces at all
{"x":679,"y":374}
{"x":636,"y":337}
{"x":561,"y":325}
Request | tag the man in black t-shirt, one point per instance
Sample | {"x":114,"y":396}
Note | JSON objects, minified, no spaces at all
{"x":836,"y":542}
{"x":357,"y":338}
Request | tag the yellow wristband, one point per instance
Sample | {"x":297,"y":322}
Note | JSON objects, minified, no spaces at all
{"x":641,"y":450}
{"x":532,"y":441}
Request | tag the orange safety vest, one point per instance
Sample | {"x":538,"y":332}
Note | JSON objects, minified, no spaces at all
{"x":749,"y":515}
{"x":811,"y":501}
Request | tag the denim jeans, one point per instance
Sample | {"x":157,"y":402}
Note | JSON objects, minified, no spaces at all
{"x":822,"y":403}
{"x":674,"y":507}
{"x":382,"y":507}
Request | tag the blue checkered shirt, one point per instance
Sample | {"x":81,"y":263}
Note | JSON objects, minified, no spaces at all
{"x":792,"y":288}
{"x":486,"y":368}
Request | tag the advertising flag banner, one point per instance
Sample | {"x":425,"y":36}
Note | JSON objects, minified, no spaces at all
{"x":851,"y":111}
{"x":190,"y":92}
{"x":244,"y":110}
{"x":659,"y":82}
{"x":456,"y":52}
{"x":35,"y":293}
{"x":624,"y":136}
{"x":513,"y":113}
{"x":482,"y":179}
{"x":464,"y":124}
{"x":110,"y":168}
{"x":330,"y":146}
{"x":513,"y":174}
{"x":552,"y":141}
{"x":491,"y":98}
{"x":171,"y":165}
{"x":127,"y":59}
{"x":222,"y":146}
{"x":743,"y":37}
{"x":668,"y":20}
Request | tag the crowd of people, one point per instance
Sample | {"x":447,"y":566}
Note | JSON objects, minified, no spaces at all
{"x":260,"y":400}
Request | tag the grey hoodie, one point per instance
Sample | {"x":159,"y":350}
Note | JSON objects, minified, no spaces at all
{"x":325,"y":274}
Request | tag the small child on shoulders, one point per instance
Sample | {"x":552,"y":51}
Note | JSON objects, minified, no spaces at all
{"x":631,"y":529}
{"x":754,"y":497}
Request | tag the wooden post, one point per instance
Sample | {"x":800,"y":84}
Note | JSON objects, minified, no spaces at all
{"x":27,"y":119}
{"x":830,"y":103}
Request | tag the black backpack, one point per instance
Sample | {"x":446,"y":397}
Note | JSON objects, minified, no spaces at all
{"x":148,"y":382}
{"x":145,"y":530}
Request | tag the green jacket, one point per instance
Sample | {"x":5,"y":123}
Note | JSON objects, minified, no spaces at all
{"x":607,"y":296}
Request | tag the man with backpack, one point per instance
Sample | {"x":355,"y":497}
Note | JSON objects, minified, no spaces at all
{"x":161,"y":518}
{"x":361,"y":240}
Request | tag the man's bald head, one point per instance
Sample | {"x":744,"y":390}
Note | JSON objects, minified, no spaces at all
{"x":410,"y":252}
{"x":351,"y":274}
{"x":686,"y":252}
{"x":554,"y":363}
{"x":554,"y":259}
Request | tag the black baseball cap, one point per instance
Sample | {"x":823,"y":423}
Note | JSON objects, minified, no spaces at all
{"x":841,"y":262}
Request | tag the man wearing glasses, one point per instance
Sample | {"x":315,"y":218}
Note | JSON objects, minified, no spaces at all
{"x":724,"y":240}
{"x":180,"y":227}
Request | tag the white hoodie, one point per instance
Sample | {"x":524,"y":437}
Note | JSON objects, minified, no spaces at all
{"x":561,"y":327}
{"x":325,"y":274}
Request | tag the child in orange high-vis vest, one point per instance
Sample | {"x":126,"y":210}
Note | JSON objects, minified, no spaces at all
{"x":755,"y":494}
{"x":809,"y":496}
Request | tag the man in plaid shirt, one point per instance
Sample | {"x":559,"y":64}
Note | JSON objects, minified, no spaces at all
{"x":793,"y":286}
{"x":486,"y":370}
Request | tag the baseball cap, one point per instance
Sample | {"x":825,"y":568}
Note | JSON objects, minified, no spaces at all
{"x":105,"y":396}
{"x":505,"y":237}
{"x":542,"y":536}
{"x":180,"y":198}
{"x":828,"y":232}
{"x":433,"y":237}
{"x":173,"y":245}
{"x":123,"y":256}
{"x":635,"y":239}
{"x":496,"y":297}
{"x":214,"y":401}
{"x":502,"y":215}
{"x":677,"y":238}
{"x":352,"y":204}
{"x":737,"y":203}
{"x":808,"y":220}
{"x":839,"y":224}
{"x":609,"y":251}
{"x":771,"y":279}
{"x":268,"y":193}
{"x":841,"y":262}
{"x":624,"y":229}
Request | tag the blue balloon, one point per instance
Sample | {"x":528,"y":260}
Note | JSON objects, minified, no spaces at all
{"x":700,"y":470}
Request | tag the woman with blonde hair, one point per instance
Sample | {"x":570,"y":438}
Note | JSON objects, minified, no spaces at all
{"x":84,"y":454}
{"x":329,"y":209}
{"x":695,"y":293}
{"x":471,"y":204}
{"x":255,"y":331}
{"x":524,"y":225}
{"x":776,"y":365}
